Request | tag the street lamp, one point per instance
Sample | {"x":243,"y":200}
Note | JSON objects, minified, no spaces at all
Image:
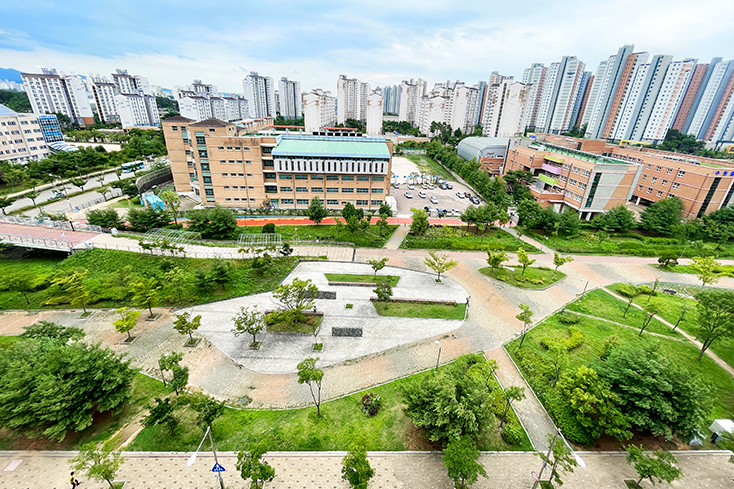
{"x":578,"y":459}
{"x":438,"y":359}
{"x":192,"y":459}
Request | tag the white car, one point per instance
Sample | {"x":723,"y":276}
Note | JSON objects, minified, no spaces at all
{"x":434,"y":200}
{"x":460,"y":195}
{"x":409,"y":195}
{"x":456,"y":212}
{"x":411,"y":187}
{"x":422,"y":195}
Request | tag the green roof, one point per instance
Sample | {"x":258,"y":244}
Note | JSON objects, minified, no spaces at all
{"x":331,"y":147}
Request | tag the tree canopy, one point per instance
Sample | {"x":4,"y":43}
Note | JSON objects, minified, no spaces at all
{"x":662,"y":216}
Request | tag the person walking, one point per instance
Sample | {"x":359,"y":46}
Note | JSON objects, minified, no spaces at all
{"x":74,"y":482}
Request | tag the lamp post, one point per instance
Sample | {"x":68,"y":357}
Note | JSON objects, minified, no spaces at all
{"x":192,"y":459}
{"x":578,"y":459}
{"x":438,"y":358}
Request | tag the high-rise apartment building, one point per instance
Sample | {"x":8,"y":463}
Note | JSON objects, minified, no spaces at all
{"x":21,"y":137}
{"x":137,"y":110}
{"x":290,"y":98}
{"x":391,"y":96}
{"x":260,"y":95}
{"x":373,"y":124}
{"x":694,"y":91}
{"x":411,"y":93}
{"x":668,"y":101}
{"x":51,"y":93}
{"x":558,"y":94}
{"x":607,"y":91}
{"x":200,"y":101}
{"x":131,"y":83}
{"x":506,"y":106}
{"x":319,"y":110}
{"x":104,"y":97}
{"x":351,"y":99}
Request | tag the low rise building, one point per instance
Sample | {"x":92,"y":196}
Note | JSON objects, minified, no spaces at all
{"x":21,"y":137}
{"x":489,"y":152}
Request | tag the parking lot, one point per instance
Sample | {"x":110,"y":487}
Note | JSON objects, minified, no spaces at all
{"x":447,"y":199}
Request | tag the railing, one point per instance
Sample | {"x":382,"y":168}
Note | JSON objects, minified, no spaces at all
{"x":212,"y":253}
{"x":32,"y":242}
{"x":551,"y":169}
{"x":48,"y":223}
{"x":149,"y":180}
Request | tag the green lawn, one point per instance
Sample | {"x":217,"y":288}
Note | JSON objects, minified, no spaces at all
{"x":7,"y":341}
{"x":110,"y":272}
{"x":427,"y":165}
{"x":671,"y":307}
{"x":341,"y":423}
{"x":534,"y":278}
{"x":328,"y":232}
{"x":681,"y":353}
{"x":123,"y":204}
{"x":451,"y":238}
{"x":592,"y":242}
{"x":604,"y":305}
{"x":420,"y":310}
{"x":309,"y":326}
{"x":724,"y":270}
{"x":362,"y":279}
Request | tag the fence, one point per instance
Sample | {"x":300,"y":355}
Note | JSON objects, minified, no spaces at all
{"x":48,"y":223}
{"x":114,"y":193}
{"x":32,"y":242}
{"x":150,"y":180}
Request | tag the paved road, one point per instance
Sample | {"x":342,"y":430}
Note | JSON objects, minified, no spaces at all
{"x":322,"y":470}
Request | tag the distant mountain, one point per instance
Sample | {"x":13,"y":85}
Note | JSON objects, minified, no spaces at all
{"x":10,"y":74}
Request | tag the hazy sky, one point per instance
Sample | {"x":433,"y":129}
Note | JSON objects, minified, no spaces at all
{"x":173,"y":42}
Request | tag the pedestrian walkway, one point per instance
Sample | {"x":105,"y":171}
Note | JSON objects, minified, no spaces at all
{"x":322,"y":470}
{"x":397,"y":237}
{"x":532,"y":242}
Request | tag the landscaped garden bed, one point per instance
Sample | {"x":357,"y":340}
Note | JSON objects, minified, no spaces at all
{"x":413,"y":308}
{"x":533,"y":278}
{"x":357,"y":279}
{"x":460,"y":238}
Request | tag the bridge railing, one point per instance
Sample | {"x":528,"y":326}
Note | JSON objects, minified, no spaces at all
{"x":48,"y":223}
{"x":34,"y":242}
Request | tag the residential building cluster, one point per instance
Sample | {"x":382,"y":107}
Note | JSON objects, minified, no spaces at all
{"x":200,"y":101}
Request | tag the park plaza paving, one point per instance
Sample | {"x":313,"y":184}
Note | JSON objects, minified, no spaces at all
{"x":281,"y":352}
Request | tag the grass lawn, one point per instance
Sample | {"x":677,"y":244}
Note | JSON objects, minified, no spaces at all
{"x":308,"y":325}
{"x":362,"y":279}
{"x":420,"y":310}
{"x":680,"y":353}
{"x":427,"y":165}
{"x":671,"y":307}
{"x":341,"y":423}
{"x":724,"y":270}
{"x":144,"y":389}
{"x":327,"y":232}
{"x":123,"y":204}
{"x":534,"y":278}
{"x":110,"y":272}
{"x":449,"y":238}
{"x":7,"y":341}
{"x":604,"y":305}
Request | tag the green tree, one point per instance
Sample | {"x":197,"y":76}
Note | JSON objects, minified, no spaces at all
{"x":526,"y":316}
{"x":568,"y":223}
{"x":46,"y":330}
{"x":316,"y":211}
{"x":663,"y":215}
{"x":33,"y":195}
{"x":248,"y":321}
{"x":529,"y":213}
{"x":352,"y":224}
{"x":186,"y":325}
{"x":80,"y":183}
{"x":385,"y":210}
{"x":170,"y":361}
{"x":561,"y":457}
{"x":618,"y":218}
{"x":207,"y":409}
{"x":20,"y":282}
{"x":382,"y":225}
{"x":216,"y":223}
{"x":377,"y":265}
{"x":559,"y":260}
{"x":338,"y":226}
{"x":715,"y":317}
{"x":221,"y":273}
{"x":161,"y":413}
{"x":74,"y":284}
{"x":143,"y":220}
{"x":146,"y":293}
{"x":439,"y":263}
{"x":175,"y":279}
{"x":707,"y":268}
{"x":6,"y":202}
{"x":309,"y":374}
{"x":630,"y":292}
{"x":100,"y":464}
{"x":128,"y":320}
{"x":650,"y":309}
{"x":106,"y":218}
{"x":496,"y":258}
{"x":512,"y":393}
{"x":296,"y":296}
{"x":460,"y":458}
{"x":383,"y":292}
{"x":251,"y":466}
{"x":356,"y":468}
{"x":419,"y":223}
{"x":173,"y":203}
{"x":658,"y":466}
{"x":269,"y":228}
{"x":668,"y":260}
{"x":523,"y":259}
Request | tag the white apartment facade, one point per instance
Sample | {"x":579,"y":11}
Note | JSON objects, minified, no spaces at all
{"x":374,"y":114}
{"x":669,"y":98}
{"x":260,"y":94}
{"x":319,"y":110}
{"x":290,"y":98}
{"x":21,"y":138}
{"x":51,"y":93}
{"x":104,"y":97}
{"x":137,"y":110}
{"x":351,"y":99}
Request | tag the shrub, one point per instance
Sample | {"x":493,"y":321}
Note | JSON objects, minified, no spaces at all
{"x":135,"y":200}
{"x":520,"y":278}
{"x":371,"y":403}
{"x":545,"y":269}
{"x":349,"y":306}
{"x":569,"y":318}
{"x":269,"y":228}
{"x":608,"y":346}
{"x":512,"y":433}
{"x":288,"y":317}
{"x":565,"y":419}
{"x":537,"y":281}
{"x":575,"y":340}
{"x":106,"y":218}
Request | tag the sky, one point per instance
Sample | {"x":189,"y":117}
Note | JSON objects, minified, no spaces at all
{"x":173,"y":42}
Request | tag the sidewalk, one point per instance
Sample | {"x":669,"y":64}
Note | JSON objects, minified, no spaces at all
{"x":397,"y":237}
{"x":57,"y":183}
{"x":322,"y":470}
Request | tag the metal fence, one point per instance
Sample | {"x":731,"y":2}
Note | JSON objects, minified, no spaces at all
{"x":48,"y":223}
{"x":33,"y":242}
{"x":150,"y":180}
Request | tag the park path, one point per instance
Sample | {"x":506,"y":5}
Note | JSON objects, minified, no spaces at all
{"x":687,"y":336}
{"x":397,"y":237}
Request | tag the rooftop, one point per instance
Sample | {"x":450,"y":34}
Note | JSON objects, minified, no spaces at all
{"x":211,"y":123}
{"x":331,"y":146}
{"x":581,"y":155}
{"x":5,"y":111}
{"x":178,"y":118}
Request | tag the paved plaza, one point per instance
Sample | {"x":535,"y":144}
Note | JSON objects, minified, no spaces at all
{"x":280,"y":353}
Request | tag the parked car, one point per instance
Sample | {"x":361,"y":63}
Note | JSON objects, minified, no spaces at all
{"x":427,"y":209}
{"x":443,"y":187}
{"x":455,"y":212}
{"x":411,"y":187}
{"x":449,"y":186}
{"x":422,"y":195}
{"x":434,"y":200}
{"x":460,"y":195}
{"x":431,"y":186}
{"x":474,"y":200}
{"x":57,"y":194}
{"x":424,"y":186}
{"x":396,"y":185}
{"x":409,"y":195}
{"x":467,"y":195}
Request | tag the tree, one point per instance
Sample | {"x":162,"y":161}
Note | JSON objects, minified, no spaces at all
{"x":715,"y":317}
{"x":383,"y":292}
{"x":419,"y":223}
{"x":385,"y":210}
{"x":47,"y":330}
{"x":663,"y":215}
{"x":145,"y":293}
{"x":73,"y":283}
{"x":658,"y":466}
{"x":512,"y":393}
{"x":161,"y":413}
{"x":50,"y":387}
{"x":524,"y":259}
{"x":630,"y":292}
{"x":207,"y":409}
{"x":6,"y":202}
{"x":185,"y":325}
{"x":338,"y":225}
{"x":128,"y":320}
{"x":561,"y":455}
{"x":350,"y":211}
{"x":439,"y":263}
{"x":650,"y":309}
{"x":170,"y":361}
{"x":106,"y":218}
{"x":33,"y":195}
{"x":618,"y":218}
{"x":377,"y":265}
{"x":20,"y":282}
{"x":316,"y":211}
{"x":173,"y":203}
{"x":269,"y":228}
{"x":79,"y":183}
{"x":707,"y":268}
{"x":559,"y":260}
{"x":668,"y":260}
{"x":496,"y":258}
{"x":296,"y":296}
{"x":143,"y":220}
{"x":251,"y":466}
{"x":309,"y":374}
{"x":529,"y":213}
{"x":286,"y":250}
{"x":382,"y":225}
{"x":216,"y":223}
{"x":352,"y":224}
{"x":248,"y":321}
{"x":460,"y":458}
{"x":221,"y":273}
{"x":175,"y":279}
{"x":568,"y":223}
{"x":356,"y":468}
{"x":526,"y":316}
{"x":100,"y":464}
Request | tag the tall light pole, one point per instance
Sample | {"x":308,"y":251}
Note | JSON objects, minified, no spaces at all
{"x":192,"y":459}
{"x":438,"y":358}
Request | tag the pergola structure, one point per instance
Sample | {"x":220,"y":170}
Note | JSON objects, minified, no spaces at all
{"x":260,"y":240}
{"x":173,"y":236}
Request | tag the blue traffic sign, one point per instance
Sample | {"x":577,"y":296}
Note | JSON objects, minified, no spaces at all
{"x":217,"y":468}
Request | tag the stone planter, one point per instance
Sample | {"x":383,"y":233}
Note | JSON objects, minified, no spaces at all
{"x":192,"y":344}
{"x":130,"y":340}
{"x":153,"y":317}
{"x":255,"y":345}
